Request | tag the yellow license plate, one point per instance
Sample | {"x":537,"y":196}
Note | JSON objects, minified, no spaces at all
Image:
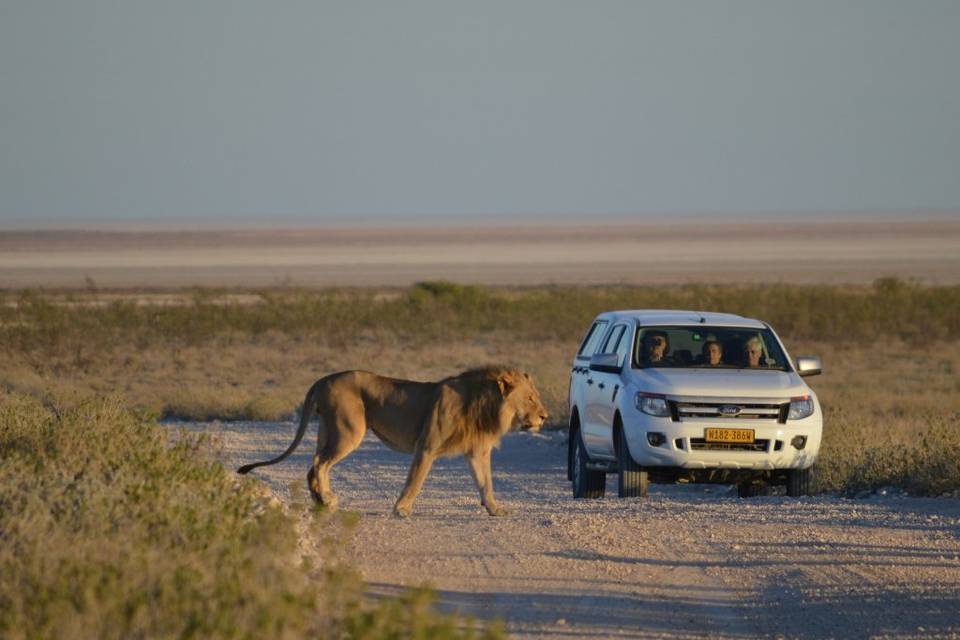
{"x":728,"y":435}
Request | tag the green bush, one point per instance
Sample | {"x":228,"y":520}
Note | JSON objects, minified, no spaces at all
{"x":54,"y":341}
{"x":110,"y":530}
{"x":431,"y":311}
{"x":860,"y":456}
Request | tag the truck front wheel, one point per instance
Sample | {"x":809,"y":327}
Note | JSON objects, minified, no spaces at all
{"x":798,"y":482}
{"x":754,"y":489}
{"x":632,"y":480}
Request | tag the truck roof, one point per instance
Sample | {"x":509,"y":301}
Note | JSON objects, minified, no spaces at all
{"x":660,"y":317}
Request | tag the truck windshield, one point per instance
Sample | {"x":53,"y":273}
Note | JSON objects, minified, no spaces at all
{"x":708,"y":348}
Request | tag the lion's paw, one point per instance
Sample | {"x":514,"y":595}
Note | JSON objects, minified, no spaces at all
{"x":497,"y":510}
{"x":401,"y":512}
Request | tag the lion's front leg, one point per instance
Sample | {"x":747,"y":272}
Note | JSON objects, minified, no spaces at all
{"x":419,"y":468}
{"x":483,"y":475}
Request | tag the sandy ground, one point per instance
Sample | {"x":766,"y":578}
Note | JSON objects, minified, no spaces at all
{"x":826,"y":251}
{"x":689,"y":561}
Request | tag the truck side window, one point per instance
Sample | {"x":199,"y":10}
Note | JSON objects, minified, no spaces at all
{"x":623,"y":348}
{"x":610,"y":346}
{"x":617,"y":342}
{"x":589,"y":344}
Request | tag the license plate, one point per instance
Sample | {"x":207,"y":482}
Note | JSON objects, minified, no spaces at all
{"x":728,"y":435}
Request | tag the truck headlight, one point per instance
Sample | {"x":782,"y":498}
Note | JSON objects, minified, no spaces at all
{"x":800,"y":407}
{"x":652,"y":404}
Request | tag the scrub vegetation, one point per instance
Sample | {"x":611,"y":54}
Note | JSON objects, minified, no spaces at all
{"x":891,"y":392}
{"x":432,"y":311}
{"x":111,"y":528}
{"x":111,"y":531}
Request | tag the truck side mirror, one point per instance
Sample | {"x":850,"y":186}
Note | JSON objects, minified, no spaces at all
{"x":608,"y":362}
{"x":809,"y":366}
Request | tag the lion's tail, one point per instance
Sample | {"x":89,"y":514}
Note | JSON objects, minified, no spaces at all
{"x":309,"y":407}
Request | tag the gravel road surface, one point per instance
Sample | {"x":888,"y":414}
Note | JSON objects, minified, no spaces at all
{"x":689,"y":561}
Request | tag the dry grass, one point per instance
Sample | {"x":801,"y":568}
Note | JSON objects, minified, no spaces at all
{"x":109,"y":531}
{"x":431,"y":312}
{"x":890,"y":392}
{"x":891,"y":415}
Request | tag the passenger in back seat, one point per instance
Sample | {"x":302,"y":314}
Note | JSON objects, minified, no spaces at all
{"x":712,"y":353}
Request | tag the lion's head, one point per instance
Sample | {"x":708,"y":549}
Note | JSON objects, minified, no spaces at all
{"x":490,"y":390}
{"x":521,"y":395}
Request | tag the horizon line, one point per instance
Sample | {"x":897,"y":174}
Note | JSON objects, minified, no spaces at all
{"x":249,"y":223}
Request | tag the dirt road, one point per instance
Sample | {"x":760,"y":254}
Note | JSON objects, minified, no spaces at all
{"x":686,"y":562}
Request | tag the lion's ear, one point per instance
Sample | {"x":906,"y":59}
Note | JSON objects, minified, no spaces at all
{"x":506,"y":384}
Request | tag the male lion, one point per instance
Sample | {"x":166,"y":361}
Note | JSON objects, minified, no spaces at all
{"x":467,"y":414}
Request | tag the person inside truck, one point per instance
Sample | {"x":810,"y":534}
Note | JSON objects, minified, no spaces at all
{"x":753,"y":352}
{"x":655,"y":347}
{"x":712,"y":353}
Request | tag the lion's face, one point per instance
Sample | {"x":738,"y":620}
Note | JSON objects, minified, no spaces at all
{"x":525,"y":400}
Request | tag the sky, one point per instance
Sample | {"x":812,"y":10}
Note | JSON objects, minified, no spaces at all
{"x":184,"y":110}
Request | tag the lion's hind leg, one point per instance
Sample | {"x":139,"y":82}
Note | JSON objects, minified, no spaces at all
{"x":339,"y":435}
{"x":320,"y":488}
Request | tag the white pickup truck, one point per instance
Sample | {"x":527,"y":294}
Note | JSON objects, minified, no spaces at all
{"x":689,"y":396}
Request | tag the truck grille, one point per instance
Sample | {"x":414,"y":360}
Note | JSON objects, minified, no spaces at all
{"x":699,"y":444}
{"x":685,"y":410}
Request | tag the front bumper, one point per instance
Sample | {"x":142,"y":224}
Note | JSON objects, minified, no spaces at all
{"x":684,"y":448}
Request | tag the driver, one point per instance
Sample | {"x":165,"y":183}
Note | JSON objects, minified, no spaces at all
{"x":655,"y":347}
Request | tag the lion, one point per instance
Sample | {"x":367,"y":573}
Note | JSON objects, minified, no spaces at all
{"x":466,"y":414}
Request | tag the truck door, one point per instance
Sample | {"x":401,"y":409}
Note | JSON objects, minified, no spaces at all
{"x":601,"y":390}
{"x":580,"y":371}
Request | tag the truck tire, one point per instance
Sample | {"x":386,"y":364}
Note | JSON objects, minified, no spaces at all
{"x":632,"y":480}
{"x":587,"y":483}
{"x":571,"y":443}
{"x":754,"y":489}
{"x":798,"y":482}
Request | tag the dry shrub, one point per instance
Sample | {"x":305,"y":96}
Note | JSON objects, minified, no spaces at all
{"x":268,"y":407}
{"x":890,"y":350}
{"x":205,"y":403}
{"x":109,"y":530}
{"x":431,"y":311}
{"x":922,"y":458}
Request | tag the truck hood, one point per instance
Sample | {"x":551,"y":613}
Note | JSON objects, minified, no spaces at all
{"x":721,"y":383}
